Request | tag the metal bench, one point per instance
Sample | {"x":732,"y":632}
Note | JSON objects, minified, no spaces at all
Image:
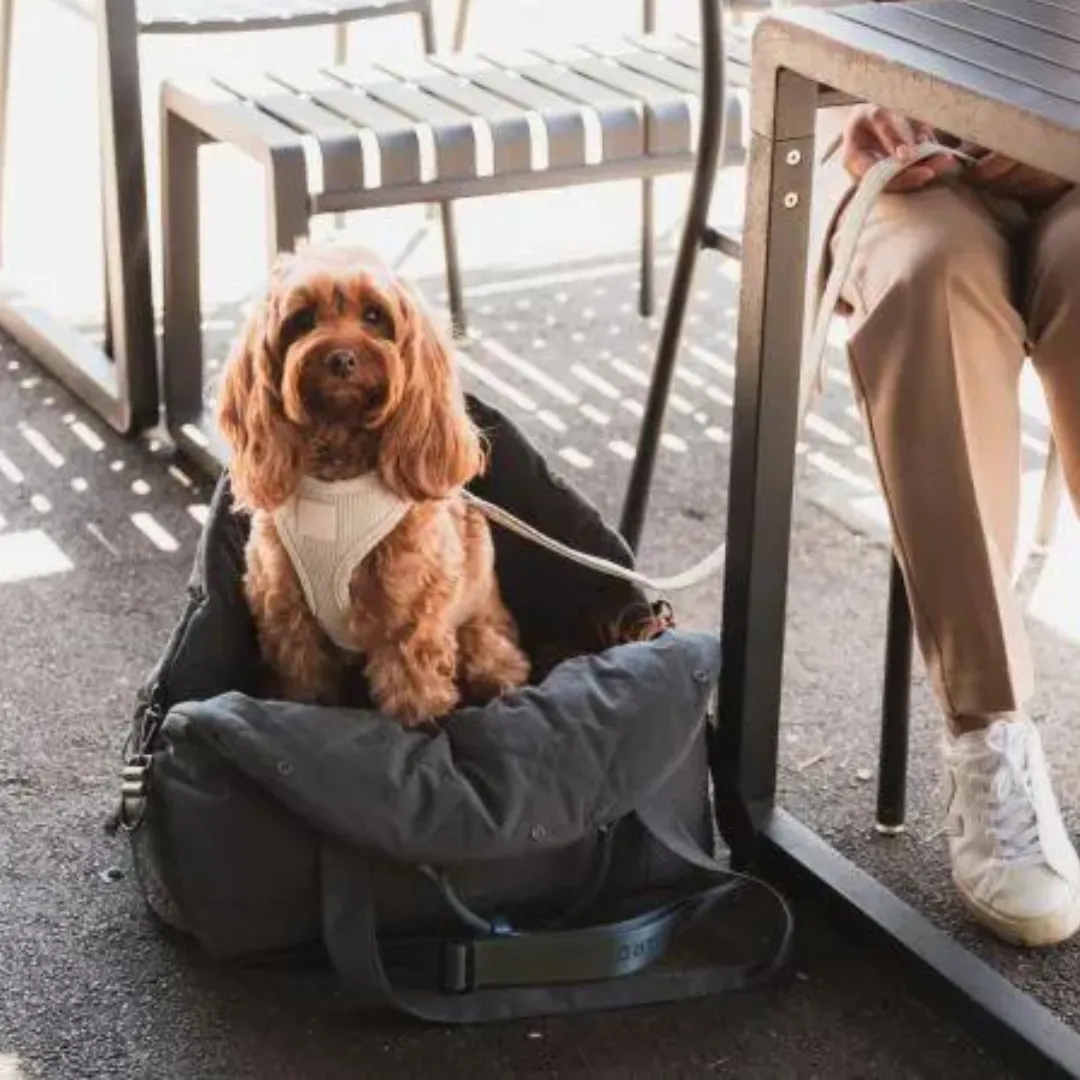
{"x":449,"y":127}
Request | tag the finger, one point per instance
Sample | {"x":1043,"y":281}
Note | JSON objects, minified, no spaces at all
{"x":858,"y":162}
{"x":885,"y":133}
{"x":992,"y":168}
{"x":913,"y":179}
{"x":924,"y":132}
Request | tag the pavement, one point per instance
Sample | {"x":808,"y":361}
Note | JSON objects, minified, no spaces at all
{"x":96,"y":540}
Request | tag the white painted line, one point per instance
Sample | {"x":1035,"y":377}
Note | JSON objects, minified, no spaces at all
{"x":831,"y":467}
{"x":196,"y":436}
{"x":180,"y":476}
{"x":717,"y":435}
{"x":548,"y":418}
{"x":595,"y":415}
{"x":11,"y":470}
{"x":718,"y":395}
{"x":528,"y":369}
{"x":140,"y":487}
{"x":600,"y":385}
{"x":635,"y":408}
{"x":688,"y":377}
{"x":156,"y":533}
{"x":673,"y":442}
{"x":40,"y":503}
{"x":79,"y":484}
{"x":710,"y":359}
{"x":635,"y":375}
{"x":622,"y":449}
{"x":828,"y":431}
{"x":200,"y":512}
{"x":576,"y":458}
{"x":522,"y":401}
{"x":88,"y":436}
{"x":42,"y":445}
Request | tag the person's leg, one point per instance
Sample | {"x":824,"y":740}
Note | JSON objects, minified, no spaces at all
{"x":936,"y":352}
{"x":1054,"y":325}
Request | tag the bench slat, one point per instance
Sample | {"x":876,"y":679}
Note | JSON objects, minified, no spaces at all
{"x":617,"y":125}
{"x":342,"y":159}
{"x":563,"y":122}
{"x":448,"y":128}
{"x":506,"y":125}
{"x":390,"y":141}
{"x":670,"y":116}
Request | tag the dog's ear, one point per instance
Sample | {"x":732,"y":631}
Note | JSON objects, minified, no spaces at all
{"x":266,"y":450}
{"x":429,"y":446}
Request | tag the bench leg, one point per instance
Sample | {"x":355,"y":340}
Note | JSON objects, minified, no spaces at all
{"x":647,"y":289}
{"x":455,"y":295}
{"x":182,"y":342}
{"x":288,"y":205}
{"x":454,"y":290}
{"x":895,"y":710}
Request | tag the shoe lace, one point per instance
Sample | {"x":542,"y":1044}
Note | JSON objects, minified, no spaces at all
{"x":1005,"y":799}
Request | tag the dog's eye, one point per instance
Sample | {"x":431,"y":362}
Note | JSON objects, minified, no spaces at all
{"x":299,"y":323}
{"x":377,"y":318}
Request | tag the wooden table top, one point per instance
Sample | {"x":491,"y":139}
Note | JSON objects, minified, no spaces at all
{"x":1003,"y":73}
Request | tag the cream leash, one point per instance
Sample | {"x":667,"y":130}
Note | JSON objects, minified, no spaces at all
{"x":812,"y":379}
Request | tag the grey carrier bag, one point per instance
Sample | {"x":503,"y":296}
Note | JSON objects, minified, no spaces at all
{"x":550,"y":852}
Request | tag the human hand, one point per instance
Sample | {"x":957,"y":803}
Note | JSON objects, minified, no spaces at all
{"x":1002,"y":176}
{"x":873,"y":133}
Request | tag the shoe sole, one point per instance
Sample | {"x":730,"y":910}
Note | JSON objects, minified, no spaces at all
{"x":1041,"y":932}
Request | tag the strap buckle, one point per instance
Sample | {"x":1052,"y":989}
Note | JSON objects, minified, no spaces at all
{"x":134,"y":789}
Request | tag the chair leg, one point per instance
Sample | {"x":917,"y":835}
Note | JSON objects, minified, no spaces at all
{"x":895,"y":710}
{"x":461,"y":25}
{"x":7,"y":12}
{"x":1050,"y":500}
{"x":182,"y":340}
{"x":127,"y":244}
{"x":647,"y":287}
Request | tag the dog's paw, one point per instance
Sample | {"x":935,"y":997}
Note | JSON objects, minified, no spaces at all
{"x":496,"y":669}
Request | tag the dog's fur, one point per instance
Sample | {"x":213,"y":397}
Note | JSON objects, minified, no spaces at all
{"x":340,"y":371}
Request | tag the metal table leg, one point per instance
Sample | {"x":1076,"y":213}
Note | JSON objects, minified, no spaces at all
{"x":122,"y":388}
{"x":759,"y":522}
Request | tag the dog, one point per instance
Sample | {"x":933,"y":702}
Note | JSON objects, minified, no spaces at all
{"x":350,"y":443}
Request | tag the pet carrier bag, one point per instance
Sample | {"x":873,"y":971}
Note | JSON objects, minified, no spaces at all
{"x":548,"y":852}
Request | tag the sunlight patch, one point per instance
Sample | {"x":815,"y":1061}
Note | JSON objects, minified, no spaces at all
{"x":26,"y":555}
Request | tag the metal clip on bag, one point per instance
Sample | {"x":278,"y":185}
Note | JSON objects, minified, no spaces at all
{"x":543,"y":854}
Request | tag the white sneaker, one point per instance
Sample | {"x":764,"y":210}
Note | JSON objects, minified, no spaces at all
{"x":1012,"y":859}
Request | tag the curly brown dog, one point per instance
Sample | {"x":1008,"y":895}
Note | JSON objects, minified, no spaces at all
{"x":350,"y":444}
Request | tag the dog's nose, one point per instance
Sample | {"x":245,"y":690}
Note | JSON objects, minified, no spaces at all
{"x":341,"y":362}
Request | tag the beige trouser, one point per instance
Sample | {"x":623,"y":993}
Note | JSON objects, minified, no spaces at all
{"x":948,"y":300}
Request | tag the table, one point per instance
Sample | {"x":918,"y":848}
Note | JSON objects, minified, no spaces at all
{"x":1005,"y":73}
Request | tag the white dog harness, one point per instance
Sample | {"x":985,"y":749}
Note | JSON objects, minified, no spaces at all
{"x":328,"y":528}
